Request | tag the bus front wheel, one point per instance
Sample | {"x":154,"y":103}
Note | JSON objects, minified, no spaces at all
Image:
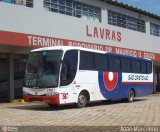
{"x":131,"y":96}
{"x":82,"y":100}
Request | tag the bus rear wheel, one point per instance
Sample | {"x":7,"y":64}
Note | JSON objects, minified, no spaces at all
{"x":131,"y":96}
{"x":82,"y":100}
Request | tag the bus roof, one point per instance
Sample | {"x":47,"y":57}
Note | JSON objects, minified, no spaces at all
{"x":65,"y":48}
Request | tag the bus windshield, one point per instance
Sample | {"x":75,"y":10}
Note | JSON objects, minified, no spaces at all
{"x":43,"y":69}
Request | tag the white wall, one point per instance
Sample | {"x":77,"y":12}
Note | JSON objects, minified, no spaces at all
{"x":38,"y":21}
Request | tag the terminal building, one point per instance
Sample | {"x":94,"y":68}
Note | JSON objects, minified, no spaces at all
{"x":97,"y":24}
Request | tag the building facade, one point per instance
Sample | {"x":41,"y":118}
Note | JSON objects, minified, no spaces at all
{"x":99,"y":24}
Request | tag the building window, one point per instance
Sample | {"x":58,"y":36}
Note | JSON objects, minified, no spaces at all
{"x":74,"y":8}
{"x":9,"y":1}
{"x":155,"y":29}
{"x":28,"y":3}
{"x":125,"y":21}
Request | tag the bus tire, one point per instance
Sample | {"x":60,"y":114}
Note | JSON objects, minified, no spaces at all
{"x":52,"y":105}
{"x":131,"y":95}
{"x":82,"y":100}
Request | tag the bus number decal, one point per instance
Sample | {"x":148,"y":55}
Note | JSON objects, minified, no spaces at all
{"x":64,"y":96}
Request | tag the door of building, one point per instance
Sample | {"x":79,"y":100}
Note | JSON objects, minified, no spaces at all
{"x":19,"y":71}
{"x":11,"y":81}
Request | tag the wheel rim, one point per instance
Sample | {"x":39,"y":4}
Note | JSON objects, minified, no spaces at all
{"x":131,"y":95}
{"x":82,"y":100}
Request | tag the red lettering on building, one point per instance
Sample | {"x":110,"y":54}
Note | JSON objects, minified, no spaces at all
{"x":107,"y":34}
{"x":30,"y":40}
{"x":103,"y":33}
{"x":113,"y":36}
{"x":119,"y":36}
{"x":95,"y":34}
{"x":87,"y":32}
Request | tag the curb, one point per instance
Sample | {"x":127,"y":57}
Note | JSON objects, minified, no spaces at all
{"x":17,"y":101}
{"x":156,"y":93}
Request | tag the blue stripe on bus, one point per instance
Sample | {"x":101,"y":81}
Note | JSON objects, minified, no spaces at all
{"x":121,"y":89}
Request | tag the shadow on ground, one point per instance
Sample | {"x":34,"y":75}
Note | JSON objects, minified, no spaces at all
{"x":45,"y":107}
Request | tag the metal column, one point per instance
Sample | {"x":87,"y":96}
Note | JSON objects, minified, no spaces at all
{"x":11,"y":75}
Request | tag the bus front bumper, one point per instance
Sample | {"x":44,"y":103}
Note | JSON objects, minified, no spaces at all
{"x":54,"y":99}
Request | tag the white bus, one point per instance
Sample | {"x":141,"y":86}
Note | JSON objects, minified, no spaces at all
{"x":63,"y":74}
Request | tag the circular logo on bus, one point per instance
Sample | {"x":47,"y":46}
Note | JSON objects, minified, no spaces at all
{"x":110,"y":80}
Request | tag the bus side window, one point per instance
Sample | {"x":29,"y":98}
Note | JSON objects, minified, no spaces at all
{"x":136,"y":66}
{"x":143,"y":67}
{"x":114,"y":63}
{"x":101,"y":62}
{"x":125,"y":65}
{"x":69,"y":67}
{"x":86,"y":61}
{"x":149,"y":67}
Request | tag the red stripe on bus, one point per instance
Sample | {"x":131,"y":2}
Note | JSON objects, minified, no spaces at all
{"x":137,"y":82}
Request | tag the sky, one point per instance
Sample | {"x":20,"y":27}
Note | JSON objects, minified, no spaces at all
{"x":152,"y":6}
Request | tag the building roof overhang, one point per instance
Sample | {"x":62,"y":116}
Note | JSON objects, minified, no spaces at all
{"x":131,"y":8}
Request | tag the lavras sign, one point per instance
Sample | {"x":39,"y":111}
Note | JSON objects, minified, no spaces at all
{"x":103,"y":33}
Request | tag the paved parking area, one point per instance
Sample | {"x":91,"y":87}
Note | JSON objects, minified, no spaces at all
{"x":145,"y":111}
